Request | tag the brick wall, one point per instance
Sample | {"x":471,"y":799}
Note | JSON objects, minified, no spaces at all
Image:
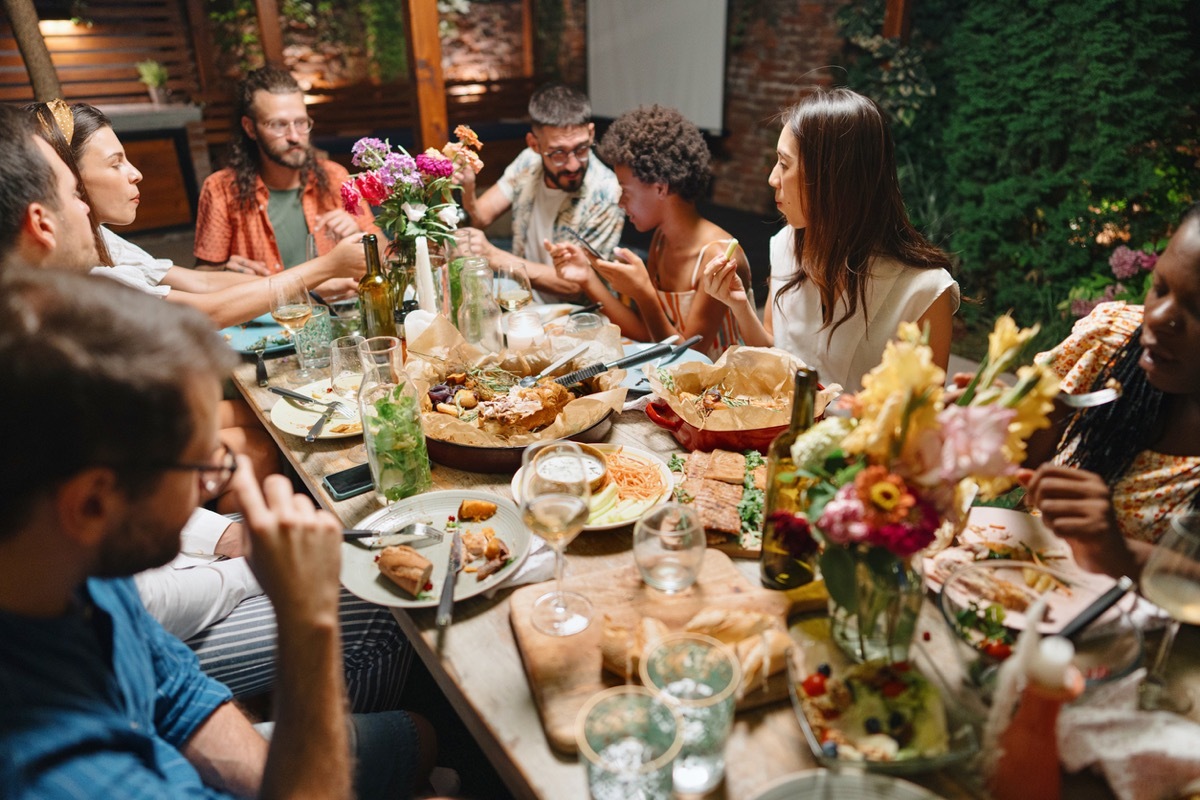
{"x":781,"y":52}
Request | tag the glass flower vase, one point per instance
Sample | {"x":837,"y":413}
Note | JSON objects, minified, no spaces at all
{"x":874,"y":600}
{"x":392,"y":433}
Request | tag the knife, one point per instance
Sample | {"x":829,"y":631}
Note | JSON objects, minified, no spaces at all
{"x":1101,"y":604}
{"x":680,"y":349}
{"x":445,"y":609}
{"x":640,"y":357}
{"x":319,"y":425}
{"x":279,"y":390}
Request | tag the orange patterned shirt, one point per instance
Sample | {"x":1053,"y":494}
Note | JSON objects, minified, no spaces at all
{"x":224,"y":229}
{"x":1156,"y":485}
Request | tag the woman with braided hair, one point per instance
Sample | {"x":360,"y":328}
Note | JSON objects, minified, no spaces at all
{"x":1123,"y":469}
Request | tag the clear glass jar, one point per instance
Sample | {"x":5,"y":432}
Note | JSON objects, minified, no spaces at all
{"x":391,"y":418}
{"x":479,"y":314}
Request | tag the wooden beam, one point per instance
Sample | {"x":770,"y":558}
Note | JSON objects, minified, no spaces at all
{"x":269,"y":31}
{"x":527,"y":60}
{"x":42,"y":75}
{"x":203,"y":49}
{"x":896,"y":20}
{"x":425,"y":54}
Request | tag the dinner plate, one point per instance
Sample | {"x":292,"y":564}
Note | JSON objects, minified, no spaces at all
{"x":362,"y":577}
{"x":848,"y":785}
{"x":635,"y":377}
{"x":293,"y":417}
{"x":243,"y":337}
{"x":998,"y":526}
{"x":644,"y":456}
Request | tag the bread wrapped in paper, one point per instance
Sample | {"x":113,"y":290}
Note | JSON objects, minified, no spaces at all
{"x":730,"y":625}
{"x":762,"y":656}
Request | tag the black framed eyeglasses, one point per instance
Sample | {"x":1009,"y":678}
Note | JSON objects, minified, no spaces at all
{"x":214,"y":478}
{"x":278,"y":127}
{"x":560,"y":158}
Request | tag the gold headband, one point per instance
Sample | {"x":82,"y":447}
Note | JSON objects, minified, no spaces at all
{"x":63,"y":118}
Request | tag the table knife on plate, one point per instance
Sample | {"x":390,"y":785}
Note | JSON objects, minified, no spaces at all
{"x":319,"y":425}
{"x":640,"y":357}
{"x":445,"y":609}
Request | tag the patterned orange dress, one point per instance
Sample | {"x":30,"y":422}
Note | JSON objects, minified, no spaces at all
{"x":1156,"y":485}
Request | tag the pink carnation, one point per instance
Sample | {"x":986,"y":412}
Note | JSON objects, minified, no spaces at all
{"x":434,"y":167}
{"x":842,"y":518}
{"x":372,"y":188}
{"x":912,"y":535}
{"x":351,"y":198}
{"x":973,"y":441}
{"x":1125,"y":263}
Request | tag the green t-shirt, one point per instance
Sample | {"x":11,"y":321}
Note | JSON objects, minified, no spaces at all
{"x":291,"y":230}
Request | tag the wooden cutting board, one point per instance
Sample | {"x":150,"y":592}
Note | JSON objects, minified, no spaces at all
{"x":564,"y":672}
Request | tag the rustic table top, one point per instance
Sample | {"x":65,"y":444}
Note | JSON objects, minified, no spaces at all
{"x":478,"y":666}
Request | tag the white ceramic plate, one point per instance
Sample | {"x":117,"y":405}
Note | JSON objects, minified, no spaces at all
{"x":292,"y":416}
{"x":243,"y":337}
{"x":635,"y":376}
{"x":848,"y":785}
{"x":633,"y":452}
{"x":362,"y":577}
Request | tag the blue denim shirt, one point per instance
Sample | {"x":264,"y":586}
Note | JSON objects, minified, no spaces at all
{"x":98,"y":702}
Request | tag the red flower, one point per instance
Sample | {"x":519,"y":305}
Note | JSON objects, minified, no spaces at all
{"x":371,"y":188}
{"x":351,"y":199}
{"x":795,"y":534}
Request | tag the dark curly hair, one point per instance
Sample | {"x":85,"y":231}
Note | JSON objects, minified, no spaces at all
{"x":660,"y":146}
{"x":243,"y":151}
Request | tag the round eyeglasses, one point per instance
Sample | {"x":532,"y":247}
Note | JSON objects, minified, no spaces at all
{"x":560,"y":158}
{"x":278,"y":127}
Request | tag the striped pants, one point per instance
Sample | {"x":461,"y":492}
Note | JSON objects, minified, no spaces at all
{"x":239,"y":651}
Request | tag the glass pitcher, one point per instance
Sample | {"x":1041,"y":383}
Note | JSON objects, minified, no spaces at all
{"x":390,"y":410}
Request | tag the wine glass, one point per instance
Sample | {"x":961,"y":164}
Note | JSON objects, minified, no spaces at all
{"x":1171,"y":580}
{"x":291,"y":306}
{"x":554,"y":503}
{"x":512,"y":287}
{"x":345,"y":378}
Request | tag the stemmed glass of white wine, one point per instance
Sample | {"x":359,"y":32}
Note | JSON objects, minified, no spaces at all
{"x":554,"y":502}
{"x":1171,"y":580}
{"x":512,"y":287}
{"x":291,"y":307}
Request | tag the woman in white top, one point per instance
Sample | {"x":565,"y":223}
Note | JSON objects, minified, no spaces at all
{"x":850,"y":267}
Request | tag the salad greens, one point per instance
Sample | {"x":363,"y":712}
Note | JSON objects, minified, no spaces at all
{"x":396,"y":445}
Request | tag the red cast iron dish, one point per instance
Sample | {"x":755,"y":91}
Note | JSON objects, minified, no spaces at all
{"x":694,"y":438}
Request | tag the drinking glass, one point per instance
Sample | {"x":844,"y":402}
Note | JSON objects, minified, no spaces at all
{"x":312,"y":344}
{"x":1171,"y":580}
{"x":554,"y":502}
{"x":290,"y":303}
{"x":381,"y":351}
{"x":310,"y":247}
{"x":512,"y":287}
{"x":628,"y":739}
{"x":698,"y":676}
{"x":345,"y":378}
{"x":668,"y":547}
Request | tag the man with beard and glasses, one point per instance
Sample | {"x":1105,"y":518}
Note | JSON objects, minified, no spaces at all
{"x":99,"y":700}
{"x":255,"y":215}
{"x":553,"y":185}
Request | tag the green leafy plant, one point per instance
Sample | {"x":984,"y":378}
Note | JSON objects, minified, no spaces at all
{"x":152,"y":73}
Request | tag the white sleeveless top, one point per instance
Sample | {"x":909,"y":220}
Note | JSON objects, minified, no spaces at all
{"x":895,"y":293}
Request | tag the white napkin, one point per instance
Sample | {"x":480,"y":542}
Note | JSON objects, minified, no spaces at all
{"x":1144,"y":755}
{"x":639,"y":403}
{"x":537,"y":567}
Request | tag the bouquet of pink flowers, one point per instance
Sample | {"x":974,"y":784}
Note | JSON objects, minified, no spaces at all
{"x":413,"y":194}
{"x":883,"y":480}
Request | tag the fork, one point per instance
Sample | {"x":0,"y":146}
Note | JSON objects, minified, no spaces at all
{"x":337,"y":406}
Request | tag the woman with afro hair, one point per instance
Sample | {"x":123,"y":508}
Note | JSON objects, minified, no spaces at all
{"x":662,"y":164}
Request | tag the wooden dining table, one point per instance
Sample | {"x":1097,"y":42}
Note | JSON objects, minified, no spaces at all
{"x":478,"y":667}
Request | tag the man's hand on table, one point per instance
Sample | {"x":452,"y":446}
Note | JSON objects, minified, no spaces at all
{"x":337,"y":224}
{"x":246,"y":266}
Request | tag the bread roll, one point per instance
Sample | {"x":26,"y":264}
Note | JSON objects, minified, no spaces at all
{"x":761,"y":656}
{"x":475,"y":510}
{"x":730,"y":626}
{"x":406,"y":568}
{"x":621,"y":646}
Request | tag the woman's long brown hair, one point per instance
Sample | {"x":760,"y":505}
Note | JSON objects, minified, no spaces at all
{"x":851,"y":200}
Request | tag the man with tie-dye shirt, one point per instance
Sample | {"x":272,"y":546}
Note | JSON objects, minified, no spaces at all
{"x":553,"y":186}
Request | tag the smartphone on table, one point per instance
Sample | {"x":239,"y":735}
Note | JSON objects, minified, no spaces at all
{"x":349,"y":482}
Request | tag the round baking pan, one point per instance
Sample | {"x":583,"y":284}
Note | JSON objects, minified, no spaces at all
{"x":472,"y":458}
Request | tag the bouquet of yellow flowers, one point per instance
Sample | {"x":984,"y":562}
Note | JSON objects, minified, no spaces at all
{"x":883,"y":480}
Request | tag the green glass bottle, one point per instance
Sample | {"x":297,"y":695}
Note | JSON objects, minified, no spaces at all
{"x":375,"y":295}
{"x":786,"y":556}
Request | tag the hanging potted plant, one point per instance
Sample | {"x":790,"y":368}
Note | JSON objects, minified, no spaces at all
{"x":154,"y":75}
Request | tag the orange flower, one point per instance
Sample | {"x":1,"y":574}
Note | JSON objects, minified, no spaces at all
{"x":468,"y":137}
{"x":884,"y":496}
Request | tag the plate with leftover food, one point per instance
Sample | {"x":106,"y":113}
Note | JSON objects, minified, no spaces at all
{"x":634,"y":481}
{"x":292,"y":416}
{"x":999,"y":533}
{"x":844,"y":786}
{"x":262,"y":332}
{"x":495,"y":541}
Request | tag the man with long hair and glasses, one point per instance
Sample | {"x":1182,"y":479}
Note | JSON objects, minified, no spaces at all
{"x":255,"y":216}
{"x":98,"y":699}
{"x":555,"y":184}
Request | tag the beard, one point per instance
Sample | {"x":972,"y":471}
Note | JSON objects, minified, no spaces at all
{"x":286,"y":154}
{"x":137,"y":543}
{"x":566,"y":181}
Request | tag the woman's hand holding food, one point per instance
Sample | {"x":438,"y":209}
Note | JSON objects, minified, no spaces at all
{"x":1077,"y":505}
{"x":722,"y":282}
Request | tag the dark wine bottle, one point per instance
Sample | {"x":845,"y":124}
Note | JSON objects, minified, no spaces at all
{"x":375,"y":295}
{"x":787,"y":549}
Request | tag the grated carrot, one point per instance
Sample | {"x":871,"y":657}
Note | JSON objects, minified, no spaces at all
{"x":634,"y":478}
